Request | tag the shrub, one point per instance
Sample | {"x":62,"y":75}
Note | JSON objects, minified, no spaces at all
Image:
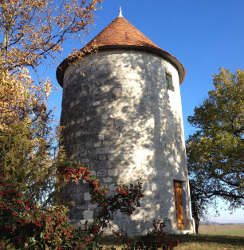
{"x":154,"y":239}
{"x":25,"y":224}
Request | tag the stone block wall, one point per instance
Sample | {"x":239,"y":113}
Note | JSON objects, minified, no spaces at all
{"x":122,"y":121}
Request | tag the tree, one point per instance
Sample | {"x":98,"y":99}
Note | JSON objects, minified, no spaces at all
{"x":26,"y":134}
{"x":35,"y":29}
{"x":32,"y":31}
{"x":215,"y":150}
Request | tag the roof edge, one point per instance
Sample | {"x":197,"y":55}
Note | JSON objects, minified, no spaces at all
{"x":164,"y":54}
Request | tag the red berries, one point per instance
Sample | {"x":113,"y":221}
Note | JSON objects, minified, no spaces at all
{"x":50,"y":225}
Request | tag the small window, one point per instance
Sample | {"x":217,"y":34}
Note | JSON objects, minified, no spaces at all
{"x":169,"y":82}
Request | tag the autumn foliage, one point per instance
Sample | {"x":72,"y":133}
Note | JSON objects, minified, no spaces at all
{"x":32,"y":34}
{"x":34,"y":30}
{"x":25,"y":223}
{"x":31,"y":178}
{"x":27,"y":138}
{"x":125,"y":199}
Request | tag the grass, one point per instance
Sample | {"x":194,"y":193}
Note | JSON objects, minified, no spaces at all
{"x":211,"y":237}
{"x":195,"y":242}
{"x":228,"y":233}
{"x":210,"y":241}
{"x":230,"y":229}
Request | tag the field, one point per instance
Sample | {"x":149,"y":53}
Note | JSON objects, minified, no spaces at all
{"x":231,"y":230}
{"x":219,"y":237}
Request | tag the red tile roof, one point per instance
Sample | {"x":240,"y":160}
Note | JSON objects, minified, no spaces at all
{"x":122,"y":34}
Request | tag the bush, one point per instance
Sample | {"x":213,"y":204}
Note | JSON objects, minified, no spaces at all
{"x":25,"y":224}
{"x":154,"y":239}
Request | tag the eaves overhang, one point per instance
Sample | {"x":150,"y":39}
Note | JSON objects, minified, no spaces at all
{"x":162,"y":53}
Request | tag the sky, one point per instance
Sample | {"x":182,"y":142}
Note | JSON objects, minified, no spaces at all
{"x":203,"y":35}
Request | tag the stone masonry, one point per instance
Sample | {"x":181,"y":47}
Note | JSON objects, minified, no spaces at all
{"x":122,"y":120}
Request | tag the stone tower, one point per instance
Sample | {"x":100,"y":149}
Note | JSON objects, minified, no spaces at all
{"x":123,"y":118}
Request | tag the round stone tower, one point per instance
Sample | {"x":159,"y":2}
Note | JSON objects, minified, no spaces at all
{"x":122,"y":116}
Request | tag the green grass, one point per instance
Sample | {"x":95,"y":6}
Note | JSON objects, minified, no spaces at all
{"x":194,"y":242}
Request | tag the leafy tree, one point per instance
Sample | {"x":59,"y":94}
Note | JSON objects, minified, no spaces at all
{"x":215,"y":150}
{"x":32,"y":31}
{"x":27,"y":139}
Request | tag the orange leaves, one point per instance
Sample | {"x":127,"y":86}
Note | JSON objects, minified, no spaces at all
{"x":33,"y":31}
{"x":38,"y":28}
{"x":27,"y":139}
{"x":18,"y":94}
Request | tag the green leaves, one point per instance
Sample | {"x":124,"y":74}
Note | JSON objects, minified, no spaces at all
{"x":24,"y":223}
{"x":215,"y":150}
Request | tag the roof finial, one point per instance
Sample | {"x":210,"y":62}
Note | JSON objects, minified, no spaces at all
{"x":120,"y":12}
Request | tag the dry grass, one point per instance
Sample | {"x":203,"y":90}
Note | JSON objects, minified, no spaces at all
{"x":206,"y":229}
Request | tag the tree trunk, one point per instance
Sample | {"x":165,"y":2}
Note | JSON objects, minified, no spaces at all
{"x":195,"y":214}
{"x":197,"y":222}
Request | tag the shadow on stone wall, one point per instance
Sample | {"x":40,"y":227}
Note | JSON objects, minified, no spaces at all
{"x":119,"y":120}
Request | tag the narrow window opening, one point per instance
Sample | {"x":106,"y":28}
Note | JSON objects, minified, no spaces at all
{"x":169,"y":81}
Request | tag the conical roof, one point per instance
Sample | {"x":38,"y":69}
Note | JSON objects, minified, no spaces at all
{"x":122,"y":34}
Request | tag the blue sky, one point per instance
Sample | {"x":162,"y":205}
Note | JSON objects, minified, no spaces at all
{"x":203,"y":35}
